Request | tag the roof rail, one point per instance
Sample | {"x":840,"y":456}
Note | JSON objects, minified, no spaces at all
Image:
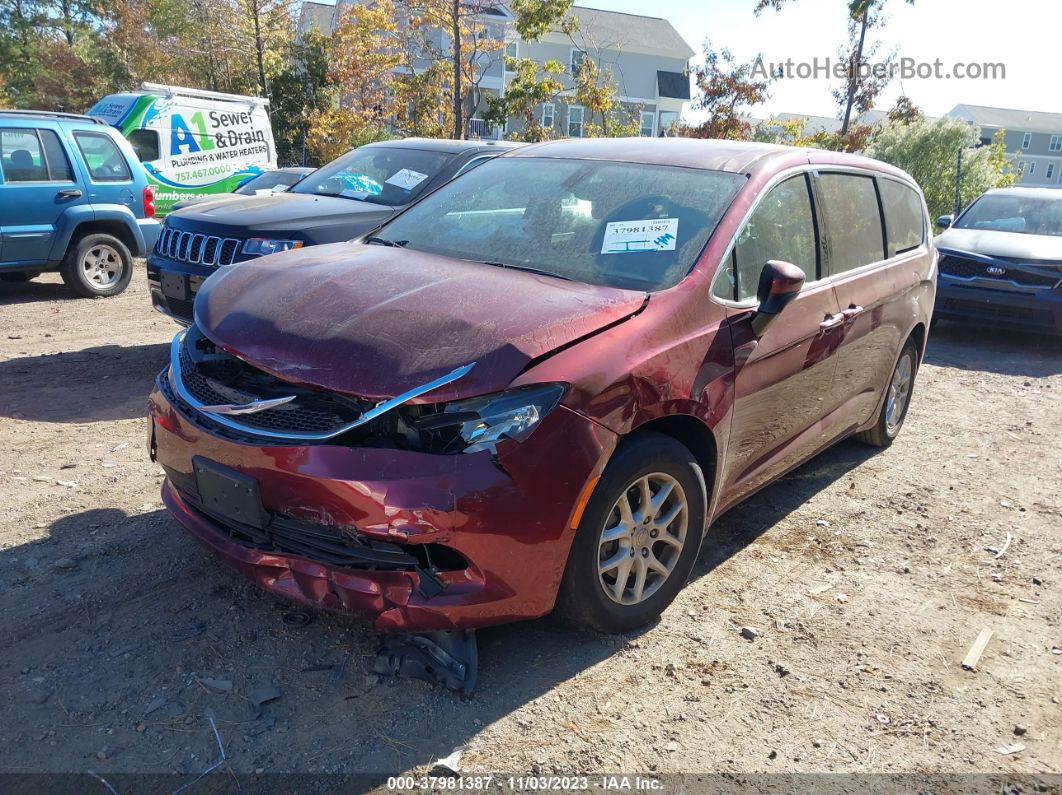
{"x":53,"y":114}
{"x":178,"y":91}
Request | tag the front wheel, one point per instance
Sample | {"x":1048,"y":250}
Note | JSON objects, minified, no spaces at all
{"x":638,"y":538}
{"x":97,"y":266}
{"x":897,"y":400}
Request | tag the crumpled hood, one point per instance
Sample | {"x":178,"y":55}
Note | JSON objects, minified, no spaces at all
{"x":374,"y":321}
{"x":1010,"y":245}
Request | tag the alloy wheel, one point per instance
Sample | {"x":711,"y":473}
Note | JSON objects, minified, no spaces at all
{"x":643,"y":538}
{"x":899,"y":392}
{"x":102,"y":266}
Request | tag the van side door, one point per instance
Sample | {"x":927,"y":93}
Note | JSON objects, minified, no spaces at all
{"x":873,"y":260}
{"x":782,"y":380}
{"x":39,"y":185}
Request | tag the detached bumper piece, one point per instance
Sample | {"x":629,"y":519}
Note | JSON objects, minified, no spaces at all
{"x":446,"y":658}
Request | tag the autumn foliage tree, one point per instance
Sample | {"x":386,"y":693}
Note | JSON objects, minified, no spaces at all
{"x":360,"y":76}
{"x":725,"y":88}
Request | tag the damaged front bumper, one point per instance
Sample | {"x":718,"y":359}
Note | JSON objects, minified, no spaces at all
{"x":414,"y":541}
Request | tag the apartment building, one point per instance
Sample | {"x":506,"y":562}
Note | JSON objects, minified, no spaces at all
{"x":1033,"y":137}
{"x":646,"y":57}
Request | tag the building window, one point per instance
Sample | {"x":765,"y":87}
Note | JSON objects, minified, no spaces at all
{"x":1021,"y":168}
{"x":646,"y":129}
{"x":1032,"y":167}
{"x":578,"y":56}
{"x":547,"y":114}
{"x":1026,"y":142}
{"x":512,"y":50}
{"x":575,"y":121}
{"x":1050,"y":171}
{"x":1056,"y":143}
{"x":667,"y":118}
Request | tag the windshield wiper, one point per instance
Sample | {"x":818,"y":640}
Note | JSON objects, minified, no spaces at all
{"x":529,"y":269}
{"x":383,"y":241}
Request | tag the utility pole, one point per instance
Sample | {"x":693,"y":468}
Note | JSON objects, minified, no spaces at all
{"x":958,"y":185}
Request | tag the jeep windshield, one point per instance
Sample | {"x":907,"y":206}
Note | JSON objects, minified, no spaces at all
{"x":1025,"y":215}
{"x":378,"y":174}
{"x":600,"y":222}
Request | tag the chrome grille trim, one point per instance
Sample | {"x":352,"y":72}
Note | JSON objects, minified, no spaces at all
{"x":197,"y":248}
{"x":176,"y":381}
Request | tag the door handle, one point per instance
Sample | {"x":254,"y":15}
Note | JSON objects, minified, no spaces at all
{"x":69,"y":193}
{"x":852,"y":312}
{"x":832,"y":321}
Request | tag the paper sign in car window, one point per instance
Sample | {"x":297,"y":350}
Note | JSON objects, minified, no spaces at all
{"x":406,"y":179}
{"x":624,"y":237}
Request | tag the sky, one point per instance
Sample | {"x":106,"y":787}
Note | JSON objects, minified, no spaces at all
{"x":1023,"y":35}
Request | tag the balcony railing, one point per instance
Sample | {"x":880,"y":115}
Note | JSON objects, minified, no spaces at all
{"x":478,"y":128}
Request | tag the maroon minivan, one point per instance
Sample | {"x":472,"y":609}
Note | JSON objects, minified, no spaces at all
{"x":537,"y":387}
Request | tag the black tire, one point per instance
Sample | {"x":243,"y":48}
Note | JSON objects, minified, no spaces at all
{"x":113,"y":252}
{"x":17,"y":277}
{"x":582,"y":599}
{"x":883,"y":433}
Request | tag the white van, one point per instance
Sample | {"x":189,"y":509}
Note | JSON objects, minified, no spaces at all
{"x":192,"y":143}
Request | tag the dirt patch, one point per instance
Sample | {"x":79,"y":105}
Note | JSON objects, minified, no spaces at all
{"x":866,"y":574}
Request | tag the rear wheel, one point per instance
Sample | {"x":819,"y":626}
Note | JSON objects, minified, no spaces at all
{"x":18,"y":276}
{"x":97,"y":266}
{"x":638,"y":538}
{"x":897,"y":399}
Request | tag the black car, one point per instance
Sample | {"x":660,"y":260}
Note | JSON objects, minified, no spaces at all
{"x":275,"y":180}
{"x":348,"y":197}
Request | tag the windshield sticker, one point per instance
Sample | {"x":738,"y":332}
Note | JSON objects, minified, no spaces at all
{"x":624,"y":237}
{"x":406,"y":179}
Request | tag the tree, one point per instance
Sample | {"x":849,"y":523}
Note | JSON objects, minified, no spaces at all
{"x":361,"y":74}
{"x":266,"y":30}
{"x":300,"y":91}
{"x":724,"y":88}
{"x":928,"y":151}
{"x":863,"y":84}
{"x":529,"y":87}
{"x":595,"y":90}
{"x":904,"y":111}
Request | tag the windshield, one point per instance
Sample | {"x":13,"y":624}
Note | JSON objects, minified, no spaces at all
{"x":270,"y":180}
{"x":601,"y":222}
{"x":1023,"y":214}
{"x":379,"y":174}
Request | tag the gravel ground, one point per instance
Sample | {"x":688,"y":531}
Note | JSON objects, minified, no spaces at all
{"x":866,"y":574}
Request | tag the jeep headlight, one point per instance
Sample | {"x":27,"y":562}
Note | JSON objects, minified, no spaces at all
{"x":261,"y":246}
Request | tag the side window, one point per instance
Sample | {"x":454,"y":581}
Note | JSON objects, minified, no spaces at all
{"x":471,"y":164}
{"x":55,"y":155}
{"x":145,"y":144}
{"x":851,"y":220}
{"x":104,"y":160}
{"x":20,"y":156}
{"x":904,"y":223}
{"x":782,"y":227}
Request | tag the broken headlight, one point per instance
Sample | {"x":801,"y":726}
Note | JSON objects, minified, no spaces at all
{"x":468,"y":426}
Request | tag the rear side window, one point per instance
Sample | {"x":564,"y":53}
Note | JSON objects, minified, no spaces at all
{"x":55,"y":156}
{"x":904,"y":223}
{"x":782,"y":227}
{"x":145,"y":144}
{"x":851,"y":220}
{"x":103,"y":158}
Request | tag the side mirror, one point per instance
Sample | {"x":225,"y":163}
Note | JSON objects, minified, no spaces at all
{"x":944,"y":221}
{"x":779,"y":284}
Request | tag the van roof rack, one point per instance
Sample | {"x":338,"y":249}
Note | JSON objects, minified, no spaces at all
{"x":179,"y":91}
{"x":51,"y":114}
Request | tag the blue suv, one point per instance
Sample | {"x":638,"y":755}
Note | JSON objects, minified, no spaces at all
{"x":73,"y":198}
